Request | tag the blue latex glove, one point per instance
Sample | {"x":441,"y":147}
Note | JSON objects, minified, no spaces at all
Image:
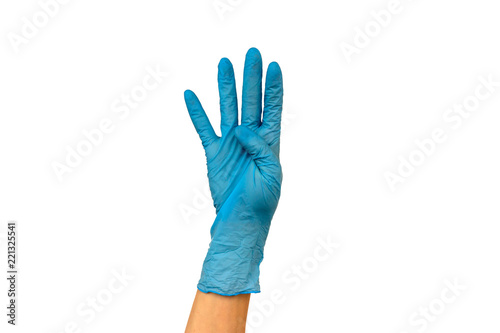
{"x":244,"y":173}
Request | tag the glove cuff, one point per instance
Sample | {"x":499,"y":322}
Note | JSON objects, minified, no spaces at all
{"x":231,"y":270}
{"x":231,"y":266}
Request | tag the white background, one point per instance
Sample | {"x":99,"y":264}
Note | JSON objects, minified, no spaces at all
{"x":346,"y":125}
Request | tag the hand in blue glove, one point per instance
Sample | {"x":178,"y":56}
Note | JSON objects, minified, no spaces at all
{"x":244,"y":173}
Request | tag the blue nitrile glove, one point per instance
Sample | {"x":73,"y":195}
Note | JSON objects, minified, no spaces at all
{"x":244,"y":173}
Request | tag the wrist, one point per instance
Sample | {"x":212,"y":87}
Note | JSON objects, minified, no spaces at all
{"x":231,"y":273}
{"x":231,"y":266}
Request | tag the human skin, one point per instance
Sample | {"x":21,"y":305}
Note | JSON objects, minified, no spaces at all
{"x":218,"y":314}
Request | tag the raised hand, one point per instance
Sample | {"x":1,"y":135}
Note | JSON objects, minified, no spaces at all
{"x":244,"y":173}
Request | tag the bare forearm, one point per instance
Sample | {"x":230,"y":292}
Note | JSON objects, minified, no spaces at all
{"x":212,"y":313}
